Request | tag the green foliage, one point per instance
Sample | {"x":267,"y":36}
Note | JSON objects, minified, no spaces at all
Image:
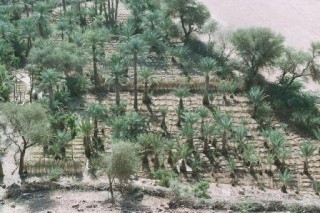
{"x":165,"y":177}
{"x":285,"y":178}
{"x":201,"y":189}
{"x":192,"y":15}
{"x":127,"y":126}
{"x":5,"y":84}
{"x":54,"y":173}
{"x":77,"y":85}
{"x":257,"y":48}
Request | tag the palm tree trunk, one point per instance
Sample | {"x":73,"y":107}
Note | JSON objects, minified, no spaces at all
{"x":64,"y":6}
{"x":135,"y":79}
{"x":116,"y":85}
{"x":95,"y":132}
{"x":51,"y":97}
{"x":95,"y":68}
{"x":26,"y":9}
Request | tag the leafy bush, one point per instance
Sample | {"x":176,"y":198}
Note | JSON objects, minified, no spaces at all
{"x":127,"y":126}
{"x":54,"y":173}
{"x":201,"y":189}
{"x":165,"y":177}
{"x":77,"y":85}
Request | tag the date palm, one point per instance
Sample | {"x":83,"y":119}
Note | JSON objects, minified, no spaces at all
{"x":307,"y":149}
{"x":96,"y":112}
{"x":27,"y":30}
{"x":95,"y":38}
{"x":50,"y":79}
{"x":115,"y":77}
{"x":256,"y":98}
{"x":285,"y":178}
{"x":136,"y":50}
{"x":180,"y":92}
{"x":147,"y":77}
{"x":87,"y":128}
{"x":206,"y":67}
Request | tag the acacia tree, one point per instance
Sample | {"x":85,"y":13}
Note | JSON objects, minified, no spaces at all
{"x":136,"y":51}
{"x":30,"y":124}
{"x":257,"y":48}
{"x":192,"y":15}
{"x":296,"y":64}
{"x":120,"y":164}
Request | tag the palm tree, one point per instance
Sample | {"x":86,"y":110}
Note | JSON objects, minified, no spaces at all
{"x":41,"y":18}
{"x":27,"y":31}
{"x":203,"y":113}
{"x":163,"y":125}
{"x":94,"y":38}
{"x":136,"y":50}
{"x":49,"y":79}
{"x":225,"y":126}
{"x":206,"y":67}
{"x":307,"y":149}
{"x":115,"y":77}
{"x":256,"y":98}
{"x":180,"y":92}
{"x":146,"y":76}
{"x":96,"y":112}
{"x":285,"y":178}
{"x":62,"y":27}
{"x":189,"y":120}
{"x":87,"y":128}
{"x":250,"y":156}
{"x":59,"y":146}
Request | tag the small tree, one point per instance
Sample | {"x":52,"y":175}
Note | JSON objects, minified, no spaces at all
{"x":87,"y":128}
{"x":192,"y":15}
{"x":307,"y":149}
{"x":120,"y":164}
{"x":180,"y":92}
{"x":256,"y":98}
{"x":30,"y":123}
{"x":206,"y":67}
{"x":285,"y":178}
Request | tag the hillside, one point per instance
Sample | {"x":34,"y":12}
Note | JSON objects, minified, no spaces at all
{"x":104,"y":109}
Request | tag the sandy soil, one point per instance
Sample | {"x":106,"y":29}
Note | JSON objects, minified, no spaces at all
{"x":297,"y":20}
{"x":97,"y":201}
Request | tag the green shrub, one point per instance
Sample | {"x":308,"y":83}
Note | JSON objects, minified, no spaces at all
{"x":77,"y":85}
{"x":165,"y":177}
{"x":54,"y":173}
{"x":201,"y":189}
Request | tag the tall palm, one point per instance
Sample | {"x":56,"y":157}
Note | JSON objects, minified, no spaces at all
{"x":147,"y":77}
{"x":97,"y":112}
{"x":41,"y":18}
{"x":27,"y":31}
{"x":180,"y":92}
{"x":62,"y":27}
{"x":307,"y":149}
{"x":206,"y":67}
{"x":136,"y":50}
{"x":50,"y":79}
{"x":94,"y":38}
{"x":115,"y":77}
{"x":87,"y":128}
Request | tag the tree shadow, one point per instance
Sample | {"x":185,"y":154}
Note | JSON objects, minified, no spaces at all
{"x":128,"y":204}
{"x":37,"y":201}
